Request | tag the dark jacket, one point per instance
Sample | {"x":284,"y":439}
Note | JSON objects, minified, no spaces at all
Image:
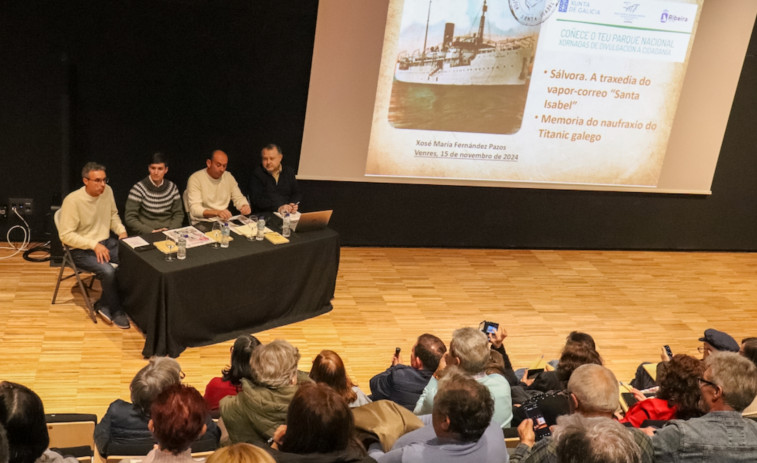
{"x":123,"y":431}
{"x":267,"y":195}
{"x":402,"y":384}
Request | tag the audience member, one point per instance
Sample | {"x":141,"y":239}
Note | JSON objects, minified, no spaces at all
{"x":209,"y":191}
{"x":261,"y":405}
{"x":594,"y":440}
{"x":728,"y":385}
{"x":593,"y":392}
{"x":273,"y":186}
{"x":86,"y":218}
{"x":678,"y":396}
{"x":230,"y":381}
{"x":178,"y":417}
{"x":573,"y":355}
{"x":469,"y":350}
{"x":749,"y":350}
{"x":460,"y":427}
{"x":23,"y":417}
{"x":320,"y":428}
{"x":404,"y":384}
{"x":240,"y":453}
{"x":328,"y":368}
{"x":124,"y":429}
{"x":712,"y":341}
{"x":497,"y":345}
{"x":154,"y":204}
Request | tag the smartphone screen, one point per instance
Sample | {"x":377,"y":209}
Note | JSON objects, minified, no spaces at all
{"x":668,"y":351}
{"x":541,"y":430}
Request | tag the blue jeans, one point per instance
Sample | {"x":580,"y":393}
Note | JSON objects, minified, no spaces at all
{"x":86,"y":259}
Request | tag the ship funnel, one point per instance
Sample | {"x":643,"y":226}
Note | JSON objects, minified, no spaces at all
{"x":449,"y":34}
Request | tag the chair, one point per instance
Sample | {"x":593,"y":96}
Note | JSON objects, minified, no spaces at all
{"x":68,"y":261}
{"x":72,"y":434}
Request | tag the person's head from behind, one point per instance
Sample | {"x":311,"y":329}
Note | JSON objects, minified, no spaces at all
{"x":177,"y":417}
{"x":151,"y":380}
{"x":240,"y":453}
{"x":679,"y":385}
{"x":328,"y":368}
{"x":241,"y":352}
{"x":427,"y":352}
{"x":581,"y":439}
{"x":469,"y":350}
{"x":4,"y":450}
{"x":463,"y":407}
{"x":729,"y":382}
{"x":580,"y":337}
{"x":749,"y":349}
{"x":274,"y":364}
{"x":23,"y":417}
{"x":593,"y":391}
{"x":318,"y":421}
{"x":573,"y":356}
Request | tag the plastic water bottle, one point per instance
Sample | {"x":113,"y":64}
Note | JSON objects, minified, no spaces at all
{"x":225,"y":231}
{"x":181,"y":254}
{"x":261,"y":229}
{"x":285,"y":229}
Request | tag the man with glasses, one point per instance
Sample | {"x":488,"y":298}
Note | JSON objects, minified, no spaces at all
{"x":87,"y":216}
{"x":728,"y":385}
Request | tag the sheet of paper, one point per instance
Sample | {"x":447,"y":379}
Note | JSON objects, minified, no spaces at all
{"x":135,"y":241}
{"x":194,"y":236}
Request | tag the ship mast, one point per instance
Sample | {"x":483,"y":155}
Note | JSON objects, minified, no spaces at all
{"x":480,"y":38}
{"x":425,"y":37}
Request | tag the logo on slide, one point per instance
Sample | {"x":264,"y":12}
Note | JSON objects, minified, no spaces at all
{"x":664,"y":16}
{"x":533,"y":12}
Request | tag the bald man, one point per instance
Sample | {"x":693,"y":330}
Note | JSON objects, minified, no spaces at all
{"x":209,"y":191}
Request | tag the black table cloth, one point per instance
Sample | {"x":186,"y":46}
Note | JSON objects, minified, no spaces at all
{"x":217,"y":294}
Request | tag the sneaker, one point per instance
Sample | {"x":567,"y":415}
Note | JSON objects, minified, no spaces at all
{"x":121,"y":320}
{"x":104,"y":313}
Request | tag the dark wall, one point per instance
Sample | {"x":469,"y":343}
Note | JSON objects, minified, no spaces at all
{"x":186,"y":76}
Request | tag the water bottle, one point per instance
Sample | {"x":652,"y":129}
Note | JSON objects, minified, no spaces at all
{"x":225,"y":231}
{"x":285,"y":229}
{"x":261,"y":228}
{"x":181,"y":254}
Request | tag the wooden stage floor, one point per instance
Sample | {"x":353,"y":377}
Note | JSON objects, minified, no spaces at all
{"x":631,"y":302}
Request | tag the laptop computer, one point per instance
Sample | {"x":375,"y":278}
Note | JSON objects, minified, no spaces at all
{"x":310,"y":221}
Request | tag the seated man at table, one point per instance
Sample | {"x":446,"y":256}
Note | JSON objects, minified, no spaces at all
{"x":87,"y":216}
{"x":273,"y":187}
{"x":154,"y":204}
{"x":209,"y":191}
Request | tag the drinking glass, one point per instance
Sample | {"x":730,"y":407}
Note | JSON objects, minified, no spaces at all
{"x":216,"y":235}
{"x":169,"y":255}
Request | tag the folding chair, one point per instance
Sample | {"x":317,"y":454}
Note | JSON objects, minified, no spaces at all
{"x":71,"y":434}
{"x":197,"y":456}
{"x":68,"y":261}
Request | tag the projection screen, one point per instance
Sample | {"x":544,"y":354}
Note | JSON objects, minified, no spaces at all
{"x":571,"y":94}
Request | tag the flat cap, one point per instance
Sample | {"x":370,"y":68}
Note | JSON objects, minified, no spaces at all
{"x":720,"y":340}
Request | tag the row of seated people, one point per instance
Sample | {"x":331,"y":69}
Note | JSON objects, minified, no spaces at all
{"x":468,"y":397}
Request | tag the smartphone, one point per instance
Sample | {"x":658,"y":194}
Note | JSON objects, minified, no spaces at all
{"x":668,"y":351}
{"x":237,"y":222}
{"x":534,"y":372}
{"x":397,"y":351}
{"x":489,"y":327}
{"x":541,"y":430}
{"x":629,"y":398}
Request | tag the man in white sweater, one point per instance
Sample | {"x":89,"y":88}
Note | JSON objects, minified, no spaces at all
{"x":87,"y":216}
{"x":209,"y":191}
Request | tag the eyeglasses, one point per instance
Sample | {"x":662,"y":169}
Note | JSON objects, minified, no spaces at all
{"x":702,"y":349}
{"x":704,"y":382}
{"x":99,"y":180}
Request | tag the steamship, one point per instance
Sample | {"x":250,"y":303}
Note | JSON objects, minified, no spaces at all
{"x":468,"y":59}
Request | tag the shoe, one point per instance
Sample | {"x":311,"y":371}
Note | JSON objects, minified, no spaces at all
{"x":121,"y":320}
{"x":104,"y":313}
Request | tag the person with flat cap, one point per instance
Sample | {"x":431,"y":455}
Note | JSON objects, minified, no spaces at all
{"x":712,"y":341}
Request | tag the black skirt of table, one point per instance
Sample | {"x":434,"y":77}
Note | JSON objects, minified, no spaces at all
{"x":217,"y":294}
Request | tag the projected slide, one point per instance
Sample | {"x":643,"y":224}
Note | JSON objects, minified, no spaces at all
{"x":559,"y":91}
